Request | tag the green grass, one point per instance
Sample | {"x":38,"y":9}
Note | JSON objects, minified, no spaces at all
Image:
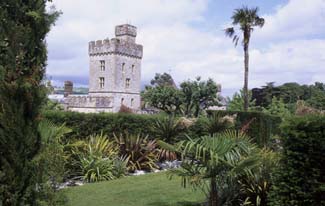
{"x":146,"y":190}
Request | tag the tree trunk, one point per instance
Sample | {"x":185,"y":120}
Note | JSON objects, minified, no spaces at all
{"x":246,"y":62}
{"x":213,"y":201}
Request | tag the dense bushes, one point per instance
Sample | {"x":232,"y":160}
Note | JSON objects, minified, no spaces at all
{"x":258,"y":125}
{"x":83,"y":125}
{"x":300,"y":178}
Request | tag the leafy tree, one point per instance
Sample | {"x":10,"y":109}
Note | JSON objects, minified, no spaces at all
{"x":237,"y":102}
{"x":165,"y":98}
{"x":198,"y":95}
{"x":190,"y":99}
{"x":164,"y":79}
{"x":23,"y":27}
{"x":247,"y":19}
{"x":263,"y":96}
{"x":292,"y":92}
{"x":277,"y":107}
{"x":317,"y":96}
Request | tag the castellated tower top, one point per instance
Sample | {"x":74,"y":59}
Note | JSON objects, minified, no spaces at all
{"x":122,"y":44}
{"x":126,"y":32}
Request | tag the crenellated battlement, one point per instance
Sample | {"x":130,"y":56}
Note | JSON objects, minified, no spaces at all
{"x":125,"y":30}
{"x":122,"y":44}
{"x":89,"y":101}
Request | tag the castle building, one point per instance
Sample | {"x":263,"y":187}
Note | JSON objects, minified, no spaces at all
{"x":114,"y":74}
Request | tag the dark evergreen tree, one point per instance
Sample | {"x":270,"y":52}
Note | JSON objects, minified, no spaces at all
{"x":23,"y":28}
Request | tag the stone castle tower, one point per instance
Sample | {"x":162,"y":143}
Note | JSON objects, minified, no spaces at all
{"x":114,"y":74}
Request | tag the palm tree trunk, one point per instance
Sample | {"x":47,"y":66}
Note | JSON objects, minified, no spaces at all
{"x":246,"y":62}
{"x":213,"y":201}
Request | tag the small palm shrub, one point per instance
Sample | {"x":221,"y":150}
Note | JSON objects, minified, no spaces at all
{"x":218,"y":122}
{"x":97,"y":159}
{"x":168,"y":129}
{"x":141,"y":152}
{"x":209,"y":159}
{"x":94,"y":168}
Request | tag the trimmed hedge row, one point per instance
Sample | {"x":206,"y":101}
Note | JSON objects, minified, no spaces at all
{"x":261,"y":126}
{"x":300,"y":179}
{"x":83,"y":125}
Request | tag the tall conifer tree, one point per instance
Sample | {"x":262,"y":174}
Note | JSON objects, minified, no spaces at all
{"x":23,"y":28}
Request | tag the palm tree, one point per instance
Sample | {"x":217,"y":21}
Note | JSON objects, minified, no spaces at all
{"x":247,"y":19}
{"x":211,"y":158}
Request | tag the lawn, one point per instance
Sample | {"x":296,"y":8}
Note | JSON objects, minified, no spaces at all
{"x":146,"y":190}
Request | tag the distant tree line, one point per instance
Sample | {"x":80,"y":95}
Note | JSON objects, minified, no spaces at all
{"x":281,"y":100}
{"x":290,"y":93}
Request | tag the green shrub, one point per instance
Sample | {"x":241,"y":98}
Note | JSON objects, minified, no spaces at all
{"x":198,"y":128}
{"x":255,"y":183}
{"x":299,"y":180}
{"x":259,"y":126}
{"x":50,"y":163}
{"x":97,"y":159}
{"x":141,"y":153}
{"x":84,"y":125}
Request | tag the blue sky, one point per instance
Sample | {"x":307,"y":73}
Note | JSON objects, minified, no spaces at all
{"x":186,"y":38}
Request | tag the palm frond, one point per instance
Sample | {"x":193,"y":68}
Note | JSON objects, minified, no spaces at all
{"x":230,"y":32}
{"x":51,"y":132}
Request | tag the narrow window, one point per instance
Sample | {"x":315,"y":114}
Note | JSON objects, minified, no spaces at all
{"x":132,"y":68}
{"x":102,"y":65}
{"x":127,"y":82}
{"x":101,"y":82}
{"x":122,"y":101}
{"x":123,"y":65}
{"x":132,"y":102}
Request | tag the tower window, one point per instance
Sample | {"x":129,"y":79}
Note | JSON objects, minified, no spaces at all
{"x":123,"y":67}
{"x":132,"y":102}
{"x":122,"y":101}
{"x":127,"y":82}
{"x":102,"y":65}
{"x":132,"y":68}
{"x":101,"y":82}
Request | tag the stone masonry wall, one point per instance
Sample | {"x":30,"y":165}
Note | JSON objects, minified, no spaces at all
{"x":122,"y":73}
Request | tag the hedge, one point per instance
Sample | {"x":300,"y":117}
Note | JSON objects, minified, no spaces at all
{"x":83,"y":125}
{"x":300,"y":179}
{"x":261,"y":128}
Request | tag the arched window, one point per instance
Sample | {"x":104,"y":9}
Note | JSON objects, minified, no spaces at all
{"x":122,"y":101}
{"x":132,"y":102}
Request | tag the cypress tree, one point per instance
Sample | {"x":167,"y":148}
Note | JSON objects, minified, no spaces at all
{"x":23,"y":28}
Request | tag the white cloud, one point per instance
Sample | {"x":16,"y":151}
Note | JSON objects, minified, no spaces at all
{"x":297,"y":19}
{"x":283,"y":50}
